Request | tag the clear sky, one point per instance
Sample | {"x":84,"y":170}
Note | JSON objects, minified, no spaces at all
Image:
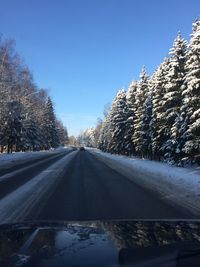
{"x":83,"y":51}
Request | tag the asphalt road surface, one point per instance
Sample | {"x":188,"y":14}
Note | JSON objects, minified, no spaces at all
{"x":85,"y":189}
{"x":23,"y":172}
{"x":90,"y":190}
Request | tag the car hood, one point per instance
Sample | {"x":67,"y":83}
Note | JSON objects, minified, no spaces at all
{"x":97,"y":243}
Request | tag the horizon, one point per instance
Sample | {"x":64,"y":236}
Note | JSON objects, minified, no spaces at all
{"x":89,"y":51}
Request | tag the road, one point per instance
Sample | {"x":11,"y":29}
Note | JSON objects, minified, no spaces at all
{"x":80,"y":188}
{"x":17,"y":175}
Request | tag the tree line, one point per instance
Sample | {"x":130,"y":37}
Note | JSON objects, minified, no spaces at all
{"x":158,"y":117}
{"x":27,"y":118}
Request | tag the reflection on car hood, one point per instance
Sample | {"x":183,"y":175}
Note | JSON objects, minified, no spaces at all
{"x":112,"y":243}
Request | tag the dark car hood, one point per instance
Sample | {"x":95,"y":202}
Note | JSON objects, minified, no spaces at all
{"x":97,"y":243}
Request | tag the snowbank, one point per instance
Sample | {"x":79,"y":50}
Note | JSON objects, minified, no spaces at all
{"x":8,"y":160}
{"x":176,"y":184}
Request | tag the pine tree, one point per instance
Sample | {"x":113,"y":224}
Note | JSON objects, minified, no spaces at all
{"x":62,"y":133}
{"x":129,"y":131}
{"x":139,"y":119}
{"x":105,"y":135}
{"x":98,"y":131}
{"x":50,"y":132}
{"x":191,"y":95}
{"x":157,"y":123}
{"x":147,"y":145}
{"x":118,"y":116}
{"x":163,"y":113}
{"x":172,"y":100}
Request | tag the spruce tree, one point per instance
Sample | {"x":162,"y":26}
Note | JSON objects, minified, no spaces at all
{"x":50,"y":131}
{"x":139,"y":116}
{"x":191,"y":95}
{"x":118,"y":116}
{"x":147,"y":145}
{"x":157,"y":123}
{"x":105,"y":135}
{"x":172,"y":100}
{"x":129,"y":131}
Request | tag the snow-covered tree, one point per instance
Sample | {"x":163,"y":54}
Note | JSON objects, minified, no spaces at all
{"x":117,"y":127}
{"x":162,"y":113}
{"x":87,"y":138}
{"x":191,"y":95}
{"x":62,"y":133}
{"x":172,"y":100}
{"x":73,"y":141}
{"x":24,"y":114}
{"x":10,"y":107}
{"x":139,"y":135}
{"x":105,"y":135}
{"x":97,"y":131}
{"x":49,"y":126}
{"x":157,"y":124}
{"x":130,"y":103}
{"x":147,"y":145}
{"x":12,"y":125}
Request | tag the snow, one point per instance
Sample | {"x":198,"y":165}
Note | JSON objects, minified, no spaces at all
{"x":8,"y":160}
{"x":14,"y":206}
{"x":174,"y":184}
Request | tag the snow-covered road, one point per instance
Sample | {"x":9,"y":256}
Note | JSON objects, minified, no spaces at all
{"x":90,"y":185}
{"x":8,"y":161}
{"x":175,"y":184}
{"x":15,"y":205}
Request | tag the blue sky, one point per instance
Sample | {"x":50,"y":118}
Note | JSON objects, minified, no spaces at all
{"x":83,"y":51}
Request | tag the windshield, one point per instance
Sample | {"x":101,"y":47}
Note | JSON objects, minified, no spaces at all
{"x":99,"y":110}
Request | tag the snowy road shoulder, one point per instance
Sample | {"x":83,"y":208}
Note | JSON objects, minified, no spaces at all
{"x":175,"y":184}
{"x":10,"y":160}
{"x":15,"y":206}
